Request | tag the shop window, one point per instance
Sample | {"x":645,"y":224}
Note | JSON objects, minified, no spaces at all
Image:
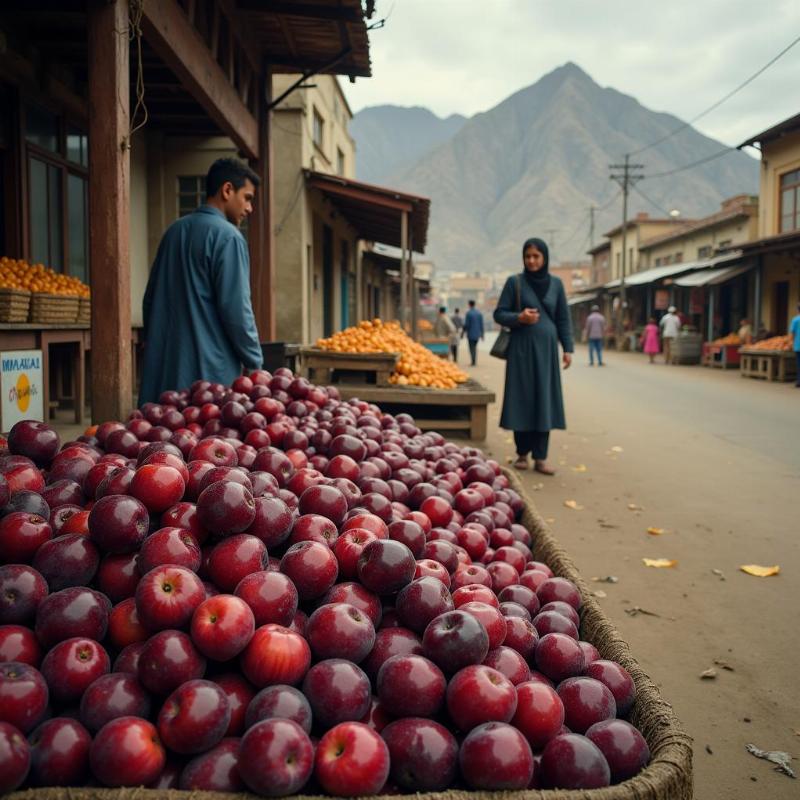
{"x":46,"y":214}
{"x":339,"y":161}
{"x":191,"y":193}
{"x":790,"y":201}
{"x":678,"y":258}
{"x":78,"y":215}
{"x":41,"y":128}
{"x":319,"y":129}
{"x":77,"y":147}
{"x":704,"y":252}
{"x":658,"y":261}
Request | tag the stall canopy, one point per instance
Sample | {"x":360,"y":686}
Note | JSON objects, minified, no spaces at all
{"x":668,"y":270}
{"x":712,"y":277}
{"x":376,"y":212}
{"x":577,"y":299}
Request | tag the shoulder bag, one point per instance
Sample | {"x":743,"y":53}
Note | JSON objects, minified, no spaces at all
{"x":500,"y":346}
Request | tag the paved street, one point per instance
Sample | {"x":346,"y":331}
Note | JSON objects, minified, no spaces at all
{"x":714,"y":460}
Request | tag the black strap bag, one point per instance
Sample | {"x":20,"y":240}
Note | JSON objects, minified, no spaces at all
{"x":500,"y":346}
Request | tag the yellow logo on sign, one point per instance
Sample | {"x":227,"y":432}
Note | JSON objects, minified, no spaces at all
{"x":23,"y":392}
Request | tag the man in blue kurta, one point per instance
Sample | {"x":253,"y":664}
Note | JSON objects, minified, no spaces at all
{"x":198,"y":318}
{"x":473,"y":330}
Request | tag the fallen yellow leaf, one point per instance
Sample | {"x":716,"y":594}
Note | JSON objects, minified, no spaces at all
{"x":573,"y":504}
{"x":659,"y":562}
{"x":550,"y":519}
{"x":580,"y":468}
{"x":616,"y":449}
{"x":634,"y":507}
{"x":655,"y":531}
{"x":760,"y":572}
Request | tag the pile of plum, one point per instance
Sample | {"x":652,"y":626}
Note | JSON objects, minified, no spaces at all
{"x":265,"y":587}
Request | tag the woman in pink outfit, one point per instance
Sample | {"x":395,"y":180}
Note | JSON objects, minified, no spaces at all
{"x":650,"y":339}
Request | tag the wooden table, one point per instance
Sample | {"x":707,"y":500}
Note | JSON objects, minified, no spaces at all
{"x":461,"y":409}
{"x":329,"y":366}
{"x":769,"y":365}
{"x":32,"y":336}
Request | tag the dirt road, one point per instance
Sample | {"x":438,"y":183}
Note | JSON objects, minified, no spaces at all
{"x":714,"y":461}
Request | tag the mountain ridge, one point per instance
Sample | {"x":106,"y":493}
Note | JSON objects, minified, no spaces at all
{"x":534,"y":164}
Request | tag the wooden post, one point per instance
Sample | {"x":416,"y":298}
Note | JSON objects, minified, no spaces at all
{"x":403,"y":268}
{"x":109,"y":209}
{"x":262,"y":235}
{"x":359,"y":288}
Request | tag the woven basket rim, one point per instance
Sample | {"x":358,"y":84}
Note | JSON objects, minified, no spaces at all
{"x":667,"y":777}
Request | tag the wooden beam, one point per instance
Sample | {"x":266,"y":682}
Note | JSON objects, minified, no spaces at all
{"x":262,"y":222}
{"x":293,"y":9}
{"x":109,"y":210}
{"x":181,"y":47}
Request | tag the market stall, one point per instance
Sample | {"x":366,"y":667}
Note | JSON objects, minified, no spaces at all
{"x":770,"y":359}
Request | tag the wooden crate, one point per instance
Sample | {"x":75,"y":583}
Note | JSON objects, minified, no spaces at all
{"x":53,"y":309}
{"x":463,"y":409}
{"x":723,"y":356}
{"x":84,"y":310}
{"x":14,"y":305}
{"x":768,"y":365}
{"x":327,"y":366}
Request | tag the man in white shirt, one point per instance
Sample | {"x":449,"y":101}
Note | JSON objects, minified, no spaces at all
{"x":670,"y":328}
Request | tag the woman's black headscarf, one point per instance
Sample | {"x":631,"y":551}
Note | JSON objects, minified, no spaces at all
{"x":539,"y":281}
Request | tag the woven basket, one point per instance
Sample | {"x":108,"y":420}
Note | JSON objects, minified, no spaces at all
{"x":54,"y":309}
{"x":85,"y":310}
{"x":14,"y":305}
{"x":667,"y":777}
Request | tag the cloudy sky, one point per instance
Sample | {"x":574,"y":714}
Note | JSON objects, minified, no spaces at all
{"x":678,"y":56}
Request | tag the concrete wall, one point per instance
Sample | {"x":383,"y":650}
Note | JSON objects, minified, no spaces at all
{"x":638,"y":231}
{"x":779,"y":273}
{"x":778,"y":157}
{"x":301,"y":213}
{"x":734,"y":231}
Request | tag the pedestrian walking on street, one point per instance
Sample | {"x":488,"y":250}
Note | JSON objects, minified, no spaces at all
{"x":473,"y":330}
{"x":458,"y":321}
{"x":595,"y":331}
{"x":670,"y":328}
{"x":444,"y":328}
{"x":533,"y":305}
{"x":794,"y":330}
{"x":649,"y":340}
{"x":198,"y":317}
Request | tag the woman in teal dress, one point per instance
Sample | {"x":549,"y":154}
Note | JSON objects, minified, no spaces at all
{"x":533,"y":305}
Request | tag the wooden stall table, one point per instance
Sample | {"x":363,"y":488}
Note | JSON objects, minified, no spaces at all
{"x":769,"y":365}
{"x":39,"y":336}
{"x":329,"y":366}
{"x":720,"y":355}
{"x":463,"y":409}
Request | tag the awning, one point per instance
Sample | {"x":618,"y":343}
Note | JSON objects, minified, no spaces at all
{"x":668,"y":270}
{"x":712,"y":277}
{"x":375,"y":211}
{"x":577,"y":299}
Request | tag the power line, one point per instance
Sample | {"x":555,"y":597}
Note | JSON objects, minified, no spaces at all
{"x":651,"y":201}
{"x":720,"y":101}
{"x":693,"y":164}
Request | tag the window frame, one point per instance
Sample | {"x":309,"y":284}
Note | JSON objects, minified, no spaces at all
{"x":317,"y":124}
{"x":794,"y":189}
{"x":58,"y":160}
{"x":199,"y":193}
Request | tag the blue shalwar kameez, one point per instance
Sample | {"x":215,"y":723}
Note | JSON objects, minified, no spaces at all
{"x":198,"y":318}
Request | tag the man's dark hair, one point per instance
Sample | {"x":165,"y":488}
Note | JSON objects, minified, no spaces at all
{"x":229,"y":169}
{"x":472,"y":304}
{"x":442,"y":309}
{"x":457,"y":310}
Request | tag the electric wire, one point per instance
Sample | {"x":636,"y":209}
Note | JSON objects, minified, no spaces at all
{"x":719,"y":102}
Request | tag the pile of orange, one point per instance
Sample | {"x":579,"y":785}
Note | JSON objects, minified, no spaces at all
{"x":417,"y":366}
{"x":773,"y":343}
{"x":15,"y":273}
{"x":731,"y":338}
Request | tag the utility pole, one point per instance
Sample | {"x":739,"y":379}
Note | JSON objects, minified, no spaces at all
{"x":592,"y":209}
{"x":627,"y":179}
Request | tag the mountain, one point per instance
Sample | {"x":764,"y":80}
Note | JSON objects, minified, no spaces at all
{"x":535,"y":163}
{"x":391,"y":139}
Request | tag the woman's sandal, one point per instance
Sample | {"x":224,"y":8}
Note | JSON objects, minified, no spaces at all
{"x":544,"y":468}
{"x":521,"y":463}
